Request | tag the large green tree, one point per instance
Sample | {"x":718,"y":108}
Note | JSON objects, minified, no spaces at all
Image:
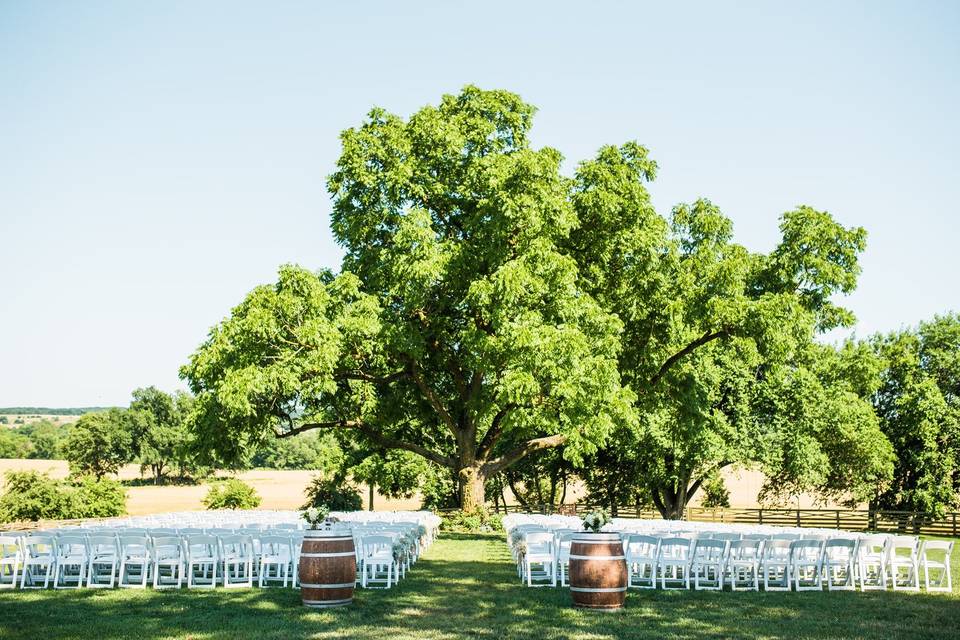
{"x":919,"y":408}
{"x":707,"y":324}
{"x":458,"y":317}
{"x":160,"y":439}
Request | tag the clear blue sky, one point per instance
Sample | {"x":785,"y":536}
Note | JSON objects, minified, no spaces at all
{"x":158,"y":160}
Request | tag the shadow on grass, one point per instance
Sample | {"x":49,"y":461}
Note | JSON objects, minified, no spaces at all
{"x":466,"y":586}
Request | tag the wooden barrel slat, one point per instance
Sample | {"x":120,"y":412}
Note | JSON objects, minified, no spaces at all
{"x":598,"y":571}
{"x":328,"y":569}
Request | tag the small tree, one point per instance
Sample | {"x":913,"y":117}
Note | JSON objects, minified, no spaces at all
{"x":31,"y":496}
{"x":333,"y":493}
{"x":98,"y":444}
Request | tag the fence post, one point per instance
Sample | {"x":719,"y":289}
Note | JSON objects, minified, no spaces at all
{"x":798,"y":517}
{"x":838,"y":518}
{"x":954,"y":524}
{"x":760,"y":514}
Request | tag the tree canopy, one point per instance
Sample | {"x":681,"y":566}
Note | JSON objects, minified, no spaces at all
{"x":489,"y":307}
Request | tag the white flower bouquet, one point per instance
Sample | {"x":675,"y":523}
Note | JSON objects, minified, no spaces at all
{"x":595,"y":520}
{"x":315,"y":516}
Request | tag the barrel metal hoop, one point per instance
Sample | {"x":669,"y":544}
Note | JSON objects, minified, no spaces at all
{"x":598,"y":589}
{"x":327,"y":603}
{"x":579,"y":541}
{"x":341,"y":554}
{"x":572,"y":557}
{"x":345,"y":585}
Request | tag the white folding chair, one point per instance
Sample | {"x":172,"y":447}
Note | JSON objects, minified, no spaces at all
{"x":203,"y":556}
{"x":72,"y":558}
{"x":743,"y":564}
{"x":39,"y":557}
{"x":641,"y":553}
{"x":673,"y":562}
{"x":378,"y":560}
{"x":104,"y":560}
{"x":775,"y":565}
{"x":538,"y":558}
{"x":872,"y":562}
{"x":236,"y":555}
{"x":707,"y":564}
{"x":806,"y":556}
{"x":936,"y":562}
{"x":903,"y":562}
{"x":839,"y":564}
{"x":168,"y":562}
{"x":134,"y":561}
{"x":562,"y":544}
{"x":11,"y":559}
{"x":276,"y":554}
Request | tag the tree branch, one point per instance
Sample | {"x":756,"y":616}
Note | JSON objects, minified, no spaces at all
{"x":378,"y":437}
{"x":349,"y":374}
{"x":433,"y":399}
{"x":496,"y":429}
{"x":687,"y":350}
{"x":498,"y":464}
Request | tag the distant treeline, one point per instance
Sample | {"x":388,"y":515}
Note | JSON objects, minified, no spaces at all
{"x":48,"y":411}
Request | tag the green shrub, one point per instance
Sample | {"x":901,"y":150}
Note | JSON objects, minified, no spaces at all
{"x":479,"y":521}
{"x":98,"y":498}
{"x":232,"y":494}
{"x":32,"y":496}
{"x":334,"y":494}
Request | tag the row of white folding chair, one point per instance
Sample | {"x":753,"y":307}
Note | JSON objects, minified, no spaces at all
{"x":69,"y":560}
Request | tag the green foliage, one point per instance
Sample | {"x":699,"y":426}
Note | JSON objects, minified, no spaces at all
{"x":231,"y":494}
{"x":99,"y":443}
{"x":310,"y":450}
{"x":46,"y":437}
{"x":456,"y":317}
{"x":919,"y":408}
{"x":439,"y":489}
{"x":476,"y":521}
{"x":14,"y":444}
{"x":31,"y":496}
{"x":160,"y":438}
{"x":104,"y":498}
{"x":335,"y":494}
{"x":715,"y":493}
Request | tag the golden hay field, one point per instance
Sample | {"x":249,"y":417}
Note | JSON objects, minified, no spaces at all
{"x":284,"y":489}
{"x":279,"y":489}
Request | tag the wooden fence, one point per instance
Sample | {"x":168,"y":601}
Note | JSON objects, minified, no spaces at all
{"x":911,"y":522}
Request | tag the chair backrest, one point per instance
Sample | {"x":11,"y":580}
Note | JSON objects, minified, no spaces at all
{"x":675,"y":548}
{"x":808,"y":550}
{"x":777,"y":548}
{"x":10,"y":547}
{"x":903,"y":546}
{"x":38,"y":545}
{"x":276,"y":545}
{"x":70,"y":545}
{"x":874,"y":545}
{"x":101,"y":545}
{"x":785,"y":536}
{"x":377,"y":544}
{"x":167,"y":545}
{"x":133,"y":544}
{"x":840,"y":547}
{"x":201,"y":545}
{"x":745,"y":549}
{"x":944,"y":547}
{"x":709,"y":549}
{"x":639,"y":545}
{"x":727,"y":537}
{"x":236,"y":544}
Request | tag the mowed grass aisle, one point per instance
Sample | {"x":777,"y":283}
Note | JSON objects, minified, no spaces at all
{"x":466,"y":587}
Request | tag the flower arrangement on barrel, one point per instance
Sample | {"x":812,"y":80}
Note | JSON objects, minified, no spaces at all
{"x":595,"y":520}
{"x":317,"y":517}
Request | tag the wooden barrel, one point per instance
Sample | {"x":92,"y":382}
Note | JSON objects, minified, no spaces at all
{"x":328,"y":568}
{"x":598,"y":571}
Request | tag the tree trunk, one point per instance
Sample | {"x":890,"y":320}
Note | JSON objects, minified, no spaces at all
{"x":370,"y":498}
{"x":472,"y":481}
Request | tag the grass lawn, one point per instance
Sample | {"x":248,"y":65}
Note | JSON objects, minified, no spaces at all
{"x":466,"y":586}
